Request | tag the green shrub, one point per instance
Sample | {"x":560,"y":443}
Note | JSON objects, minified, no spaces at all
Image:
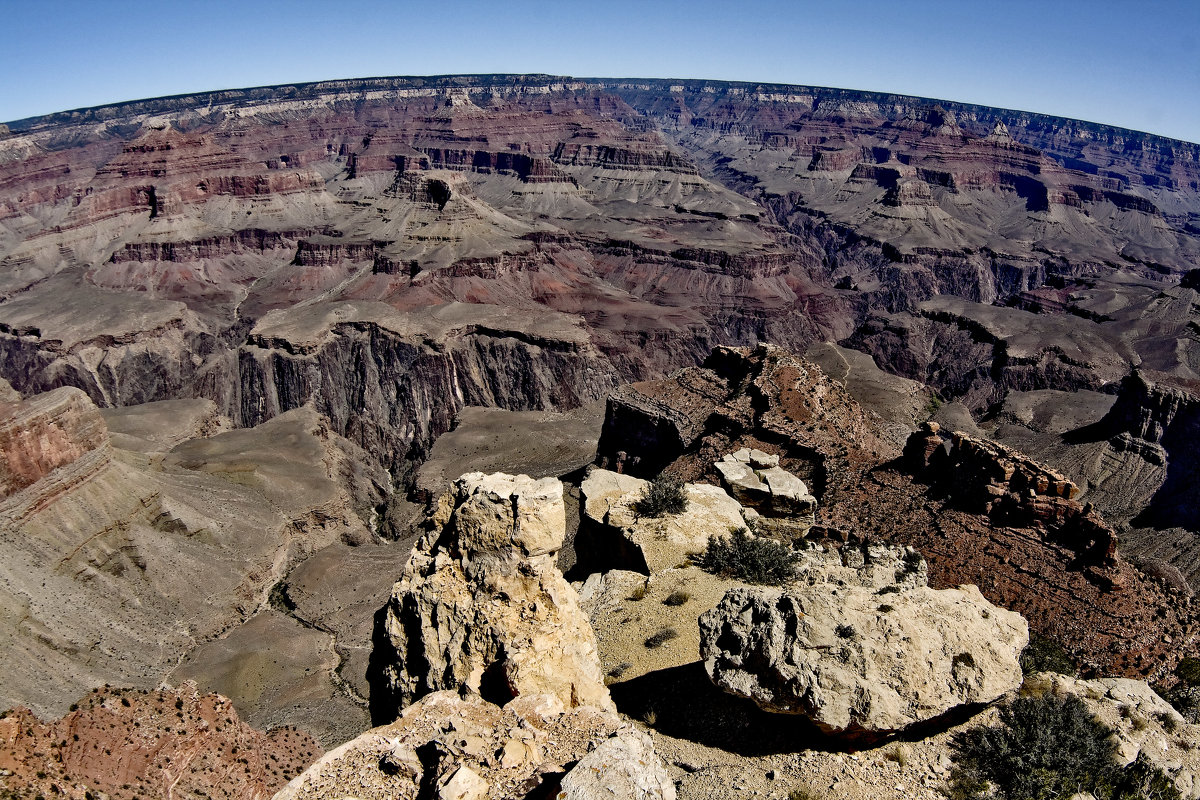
{"x":1043,"y":654}
{"x":664,"y":495}
{"x":1188,"y":670}
{"x":747,"y":558}
{"x":909,"y":566}
{"x":1047,"y":747}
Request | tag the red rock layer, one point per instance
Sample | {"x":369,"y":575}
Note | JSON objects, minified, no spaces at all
{"x":131,"y":744}
{"x":45,"y":432}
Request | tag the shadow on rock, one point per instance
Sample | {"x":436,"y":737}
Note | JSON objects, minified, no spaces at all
{"x":683,"y":702}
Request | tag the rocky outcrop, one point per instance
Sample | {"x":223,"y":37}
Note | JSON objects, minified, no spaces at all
{"x":863,"y":660}
{"x":483,"y":608}
{"x":756,"y":480}
{"x":1159,"y":420}
{"x":458,"y":748}
{"x":624,"y":766}
{"x":615,"y":536}
{"x":47,"y":432}
{"x":123,"y":744}
{"x":810,"y":421}
{"x":1011,"y":489}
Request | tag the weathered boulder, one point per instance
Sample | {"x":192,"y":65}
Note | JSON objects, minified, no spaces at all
{"x":859,"y":658}
{"x":1145,"y":723}
{"x":625,"y":766}
{"x":625,"y":539}
{"x":447,"y":746}
{"x":755,"y":479}
{"x":482,"y":606}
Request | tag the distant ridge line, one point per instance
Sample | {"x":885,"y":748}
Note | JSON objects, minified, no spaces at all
{"x":523,"y":83}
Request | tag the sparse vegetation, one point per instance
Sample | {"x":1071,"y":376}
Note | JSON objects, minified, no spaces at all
{"x":1188,"y":670}
{"x":665,"y":495}
{"x":898,"y":754}
{"x":1044,"y":654}
{"x":909,"y":566}
{"x":638,"y":593}
{"x":619,"y":669}
{"x":677,"y":598}
{"x":662,"y":637}
{"x":804,"y":793}
{"x":1185,"y":694}
{"x":748,"y":558}
{"x":1048,"y":747}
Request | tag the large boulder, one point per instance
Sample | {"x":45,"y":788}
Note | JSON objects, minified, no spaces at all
{"x":622,"y":538}
{"x":859,"y":658}
{"x":625,"y":766}
{"x":482,"y":607}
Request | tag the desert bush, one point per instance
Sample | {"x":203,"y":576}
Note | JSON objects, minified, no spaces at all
{"x":1188,"y":670}
{"x":664,"y":495}
{"x":804,"y":793}
{"x":1046,"y":747}
{"x":1043,"y":654}
{"x":909,"y":566}
{"x":747,"y":558}
{"x":677,"y":598}
{"x":662,"y":637}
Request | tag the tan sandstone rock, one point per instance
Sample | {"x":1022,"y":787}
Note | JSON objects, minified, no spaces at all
{"x":625,"y":766}
{"x":652,"y":544}
{"x":455,"y":747}
{"x":482,"y":606}
{"x":855,"y":659}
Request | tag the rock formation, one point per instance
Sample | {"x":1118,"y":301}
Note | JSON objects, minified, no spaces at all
{"x":483,"y":608}
{"x":624,"y":766}
{"x":862,"y":659}
{"x":1012,"y":490}
{"x":465,"y":748}
{"x":1024,"y":552}
{"x":47,"y":432}
{"x":756,"y":480}
{"x":614,"y":535}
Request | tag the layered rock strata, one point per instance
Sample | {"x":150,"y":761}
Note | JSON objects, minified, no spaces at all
{"x":46,"y":433}
{"x":1012,"y":490}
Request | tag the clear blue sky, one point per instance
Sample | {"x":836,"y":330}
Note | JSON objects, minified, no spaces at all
{"x":1134,"y":64}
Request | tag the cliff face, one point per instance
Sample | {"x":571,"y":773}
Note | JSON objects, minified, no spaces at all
{"x":46,"y":433}
{"x":147,"y":240}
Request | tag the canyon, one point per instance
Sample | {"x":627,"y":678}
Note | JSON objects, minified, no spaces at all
{"x":249,"y":338}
